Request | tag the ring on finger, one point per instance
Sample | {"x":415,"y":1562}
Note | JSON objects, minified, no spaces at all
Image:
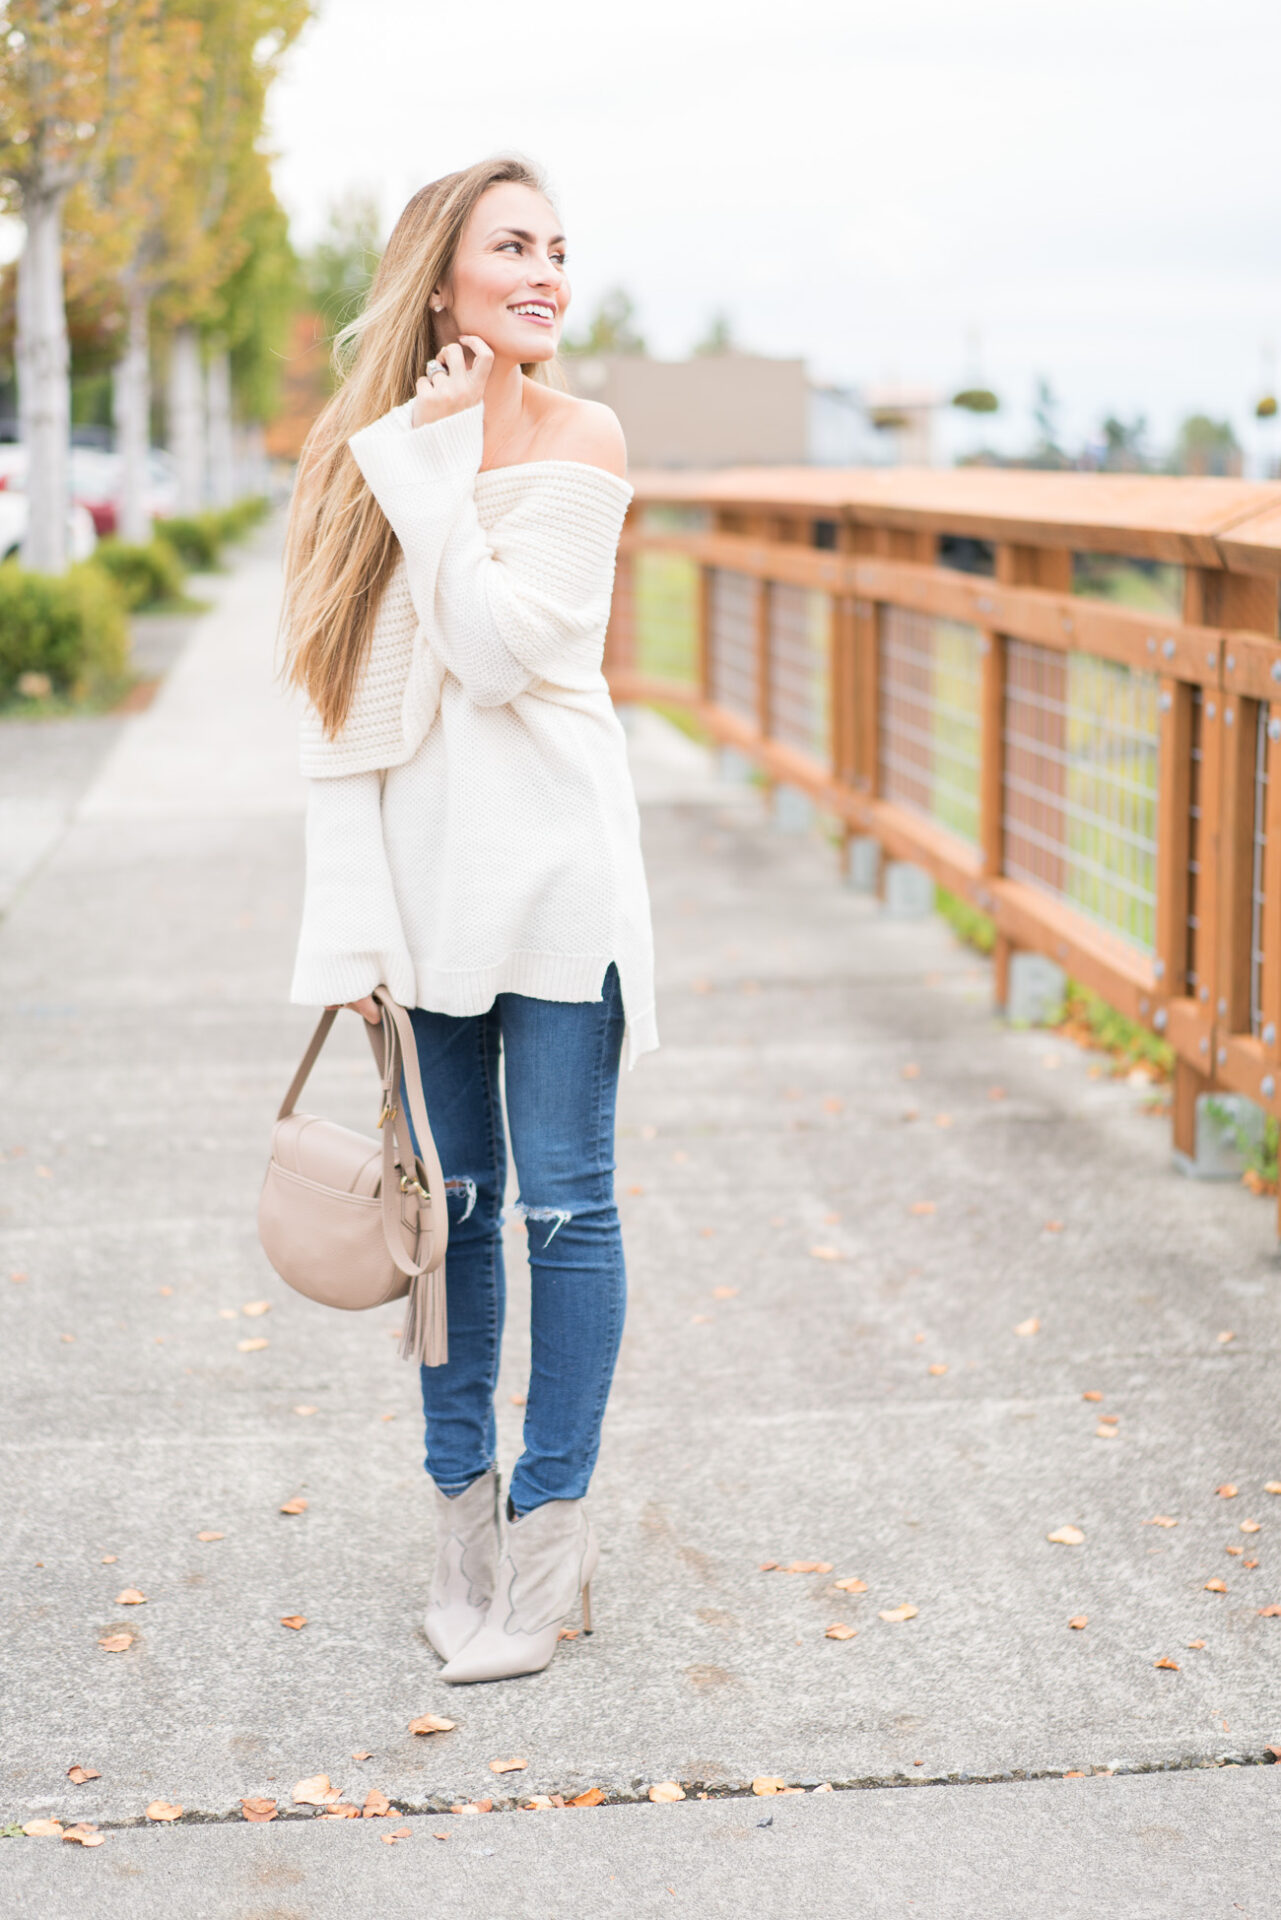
{"x":434,"y":367}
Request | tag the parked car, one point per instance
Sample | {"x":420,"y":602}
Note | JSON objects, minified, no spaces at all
{"x":82,"y":537}
{"x":95,"y":482}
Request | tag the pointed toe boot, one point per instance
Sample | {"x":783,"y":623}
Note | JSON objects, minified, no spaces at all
{"x":462,"y":1586}
{"x":548,"y":1561}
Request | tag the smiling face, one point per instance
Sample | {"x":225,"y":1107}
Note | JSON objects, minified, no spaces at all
{"x":508,"y":280}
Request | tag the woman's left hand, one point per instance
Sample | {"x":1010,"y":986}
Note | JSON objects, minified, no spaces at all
{"x":368,"y":1007}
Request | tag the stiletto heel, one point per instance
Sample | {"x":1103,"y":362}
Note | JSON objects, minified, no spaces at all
{"x":550,"y":1555}
{"x":587,"y":1607}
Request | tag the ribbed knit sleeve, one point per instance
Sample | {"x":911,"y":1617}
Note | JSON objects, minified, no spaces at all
{"x":351,"y":939}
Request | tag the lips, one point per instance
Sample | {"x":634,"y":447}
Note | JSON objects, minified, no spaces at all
{"x":541,"y":312}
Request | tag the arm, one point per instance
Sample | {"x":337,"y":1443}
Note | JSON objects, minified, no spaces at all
{"x":534,"y":606}
{"x":351,"y":938}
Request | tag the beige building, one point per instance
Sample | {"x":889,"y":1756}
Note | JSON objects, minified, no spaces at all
{"x":722,"y":410}
{"x":744,"y":409}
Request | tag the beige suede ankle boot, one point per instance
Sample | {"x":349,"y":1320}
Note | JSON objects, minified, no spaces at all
{"x":548,"y":1561}
{"x":466,"y":1564}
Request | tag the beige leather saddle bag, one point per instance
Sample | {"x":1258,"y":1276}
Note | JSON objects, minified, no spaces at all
{"x":353,"y":1222}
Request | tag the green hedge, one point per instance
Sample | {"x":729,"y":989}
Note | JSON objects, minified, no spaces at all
{"x":71,"y":629}
{"x":198,"y":538}
{"x":146,"y":574}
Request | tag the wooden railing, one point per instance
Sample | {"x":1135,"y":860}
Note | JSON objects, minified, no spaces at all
{"x":945,"y":661}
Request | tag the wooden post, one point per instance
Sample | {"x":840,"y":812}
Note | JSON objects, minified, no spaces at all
{"x":992,"y":788}
{"x":703,"y":633}
{"x":1173,"y":836}
{"x":763,"y":657}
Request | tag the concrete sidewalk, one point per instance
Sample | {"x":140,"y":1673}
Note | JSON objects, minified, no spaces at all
{"x":834,"y":1230}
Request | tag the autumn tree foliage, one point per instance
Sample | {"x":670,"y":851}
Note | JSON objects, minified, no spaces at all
{"x":130,"y":148}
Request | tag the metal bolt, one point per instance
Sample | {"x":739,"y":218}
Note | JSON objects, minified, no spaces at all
{"x":1209,"y":660}
{"x":1160,"y":1019}
{"x":1274,"y":729}
{"x":1067,"y":624}
{"x":1151,"y":643}
{"x":1223,"y":1009}
{"x":1164,"y":701}
{"x":1205,"y":993}
{"x":1167,"y":648}
{"x":1158,"y":968}
{"x":1144,"y":1004}
{"x":1227,"y":716}
{"x":1267,"y":1086}
{"x":1203,"y":1045}
{"x":1232,"y":663}
{"x":985,"y":645}
{"x":1223,"y":1056}
{"x":1276,"y":669}
{"x":1269,"y":1034}
{"x":983,"y":604}
{"x":1209,"y":709}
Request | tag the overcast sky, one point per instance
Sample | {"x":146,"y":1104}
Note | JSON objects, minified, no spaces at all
{"x":916,"y":189}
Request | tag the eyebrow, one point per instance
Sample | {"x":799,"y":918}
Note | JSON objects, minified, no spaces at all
{"x":521,"y":234}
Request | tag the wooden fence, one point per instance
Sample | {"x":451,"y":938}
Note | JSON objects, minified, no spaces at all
{"x":1060,"y":693}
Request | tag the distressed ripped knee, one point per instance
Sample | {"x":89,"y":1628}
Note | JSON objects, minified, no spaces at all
{"x":553,"y":1217}
{"x":458,"y":1185}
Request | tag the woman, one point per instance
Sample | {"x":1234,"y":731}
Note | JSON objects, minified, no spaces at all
{"x":473,"y":843}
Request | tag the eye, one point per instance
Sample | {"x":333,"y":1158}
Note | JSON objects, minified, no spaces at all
{"x":504,"y":244}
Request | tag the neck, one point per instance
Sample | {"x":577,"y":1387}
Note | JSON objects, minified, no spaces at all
{"x":504,"y":404}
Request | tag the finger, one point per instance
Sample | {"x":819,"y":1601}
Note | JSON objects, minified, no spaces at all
{"x":481,"y":348}
{"x":451,"y":358}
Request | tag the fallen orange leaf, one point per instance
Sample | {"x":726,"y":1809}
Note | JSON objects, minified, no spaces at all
{"x":78,"y":1774}
{"x":1079,"y":1620}
{"x":401,"y":1833}
{"x":1053,"y":1226}
{"x":923,"y":1206}
{"x":1270,"y":1613}
{"x":768,"y":1566}
{"x":1250,"y":1526}
{"x":508,"y":1766}
{"x":131,"y":1598}
{"x":43,"y":1829}
{"x":906,"y":1612}
{"x":937,"y":1366}
{"x":839,"y":1631}
{"x":316,"y":1791}
{"x":294,"y":1506}
{"x":1091,"y":1393}
{"x":431,"y":1723}
{"x":996,"y":1093}
{"x":592,"y":1798}
{"x":341,"y":1810}
{"x":377,"y":1806}
{"x":851,"y":1586}
{"x":256,"y":1308}
{"x":1224,"y":1337}
{"x":1272,"y":1486}
{"x":255,"y":1345}
{"x":667,"y":1791}
{"x":116,"y":1642}
{"x":724,"y":1293}
{"x":1196,"y":1644}
{"x":1066,"y":1536}
{"x":825,"y":1253}
{"x":362,"y":1753}
{"x":1227,"y":1491}
{"x":1026,"y":1327}
{"x":164,"y":1810}
{"x":1161,"y":1520}
{"x":808,"y":1566}
{"x":911,"y":1071}
{"x":1173,"y":1665}
{"x":1108,"y":1432}
{"x":768,"y":1783}
{"x":258,"y":1809}
{"x":568,"y":1633}
{"x":304,"y":1411}
{"x":1215,"y":1586}
{"x":207,"y":1536}
{"x":294,"y":1620}
{"x":84,"y":1834}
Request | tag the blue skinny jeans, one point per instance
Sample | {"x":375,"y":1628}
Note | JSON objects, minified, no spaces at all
{"x":561,"y":1079}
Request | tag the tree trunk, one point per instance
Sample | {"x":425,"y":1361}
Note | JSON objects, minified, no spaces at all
{"x":44,"y":381}
{"x":131,"y":405}
{"x":187,"y":419}
{"x":222,"y":463}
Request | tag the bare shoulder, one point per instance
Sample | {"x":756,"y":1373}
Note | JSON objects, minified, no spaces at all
{"x":585,"y":430}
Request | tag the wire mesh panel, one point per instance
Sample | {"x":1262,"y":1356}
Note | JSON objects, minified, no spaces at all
{"x":1195,"y":759}
{"x":731,"y":642}
{"x":1080,"y":797}
{"x":1258,"y":898}
{"x":929,"y":717}
{"x":800,"y":622}
{"x":665,"y":603}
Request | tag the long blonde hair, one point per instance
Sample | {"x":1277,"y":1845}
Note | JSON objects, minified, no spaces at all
{"x":340,"y":550}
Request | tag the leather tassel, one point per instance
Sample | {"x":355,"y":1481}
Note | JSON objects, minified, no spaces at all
{"x":423,"y":1336}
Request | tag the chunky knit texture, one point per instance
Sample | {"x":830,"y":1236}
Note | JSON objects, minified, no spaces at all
{"x":472,"y":830}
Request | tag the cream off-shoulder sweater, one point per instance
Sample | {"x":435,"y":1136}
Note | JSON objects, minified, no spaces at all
{"x":472,"y":830}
